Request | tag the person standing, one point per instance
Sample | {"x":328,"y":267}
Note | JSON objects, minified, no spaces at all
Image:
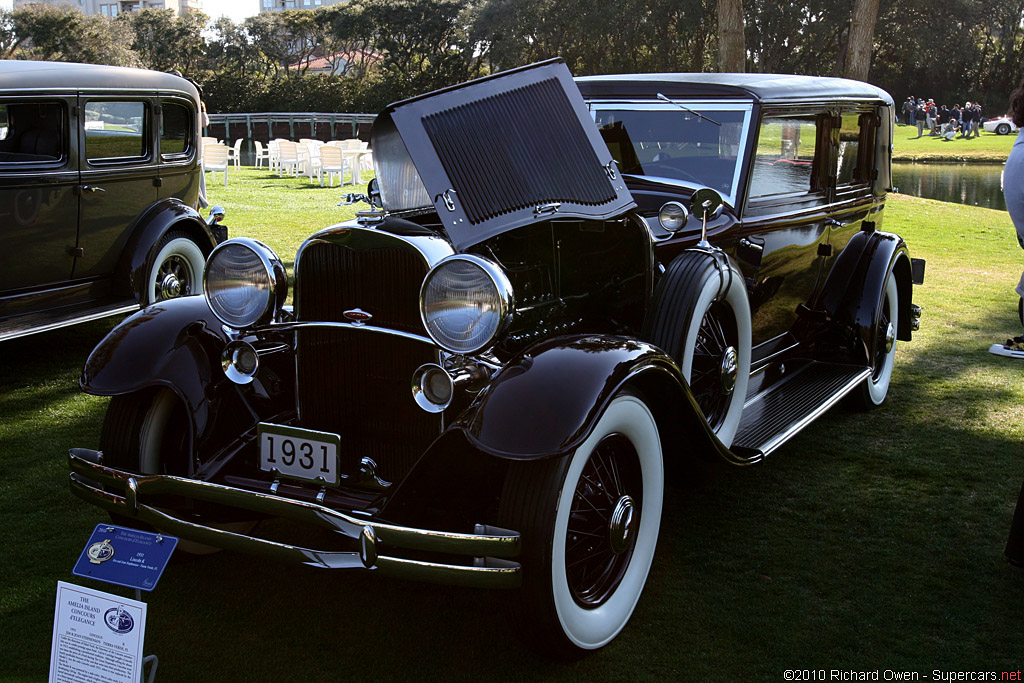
{"x":920,"y":117}
{"x":1013,"y":191}
{"x":908,"y":111}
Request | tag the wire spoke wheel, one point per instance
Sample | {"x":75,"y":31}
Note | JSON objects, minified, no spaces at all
{"x":596,"y":555}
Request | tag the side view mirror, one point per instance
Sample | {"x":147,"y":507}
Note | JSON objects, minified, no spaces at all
{"x":706,"y":204}
{"x":217,"y":214}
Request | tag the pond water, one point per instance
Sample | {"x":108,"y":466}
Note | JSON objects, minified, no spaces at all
{"x":972,"y":184}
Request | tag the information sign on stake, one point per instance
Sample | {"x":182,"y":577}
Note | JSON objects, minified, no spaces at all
{"x":96,"y":636}
{"x":125,"y":557}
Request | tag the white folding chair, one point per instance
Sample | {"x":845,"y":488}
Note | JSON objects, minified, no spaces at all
{"x":288,"y":158}
{"x":235,"y":153}
{"x":261,"y":154}
{"x":215,"y":158}
{"x":332,"y":162}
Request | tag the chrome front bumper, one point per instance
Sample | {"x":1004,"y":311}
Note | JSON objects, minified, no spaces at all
{"x":491,"y":549}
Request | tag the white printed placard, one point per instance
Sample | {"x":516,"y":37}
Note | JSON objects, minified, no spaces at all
{"x":97,"y":637}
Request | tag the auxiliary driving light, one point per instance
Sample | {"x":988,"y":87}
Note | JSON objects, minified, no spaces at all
{"x":432,"y":388}
{"x":240,"y":362}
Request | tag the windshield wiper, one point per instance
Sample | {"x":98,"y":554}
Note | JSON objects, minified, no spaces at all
{"x":695,"y":113}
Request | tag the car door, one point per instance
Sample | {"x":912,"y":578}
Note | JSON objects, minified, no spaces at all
{"x":119,"y":176}
{"x":779,"y":246}
{"x":38,"y":200}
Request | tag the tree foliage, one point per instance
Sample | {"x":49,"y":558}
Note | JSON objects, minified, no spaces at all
{"x":378,"y":51}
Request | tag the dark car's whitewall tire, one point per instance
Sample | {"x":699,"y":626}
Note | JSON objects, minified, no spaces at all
{"x":177,"y":269}
{"x":590,"y":524}
{"x":876,"y":387}
{"x":701,"y":317}
{"x":148,"y":433}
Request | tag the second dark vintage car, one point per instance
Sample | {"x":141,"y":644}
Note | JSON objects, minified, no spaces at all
{"x":99,"y":186}
{"x":550,"y":297}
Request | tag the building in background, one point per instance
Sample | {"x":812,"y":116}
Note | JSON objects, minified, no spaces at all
{"x":111,"y":8}
{"x":282,"y":5}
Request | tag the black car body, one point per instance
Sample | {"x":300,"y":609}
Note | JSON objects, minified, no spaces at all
{"x":483,"y":375}
{"x":99,"y":181}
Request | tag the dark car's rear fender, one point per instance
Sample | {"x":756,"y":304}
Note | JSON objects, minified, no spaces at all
{"x":853,"y":290}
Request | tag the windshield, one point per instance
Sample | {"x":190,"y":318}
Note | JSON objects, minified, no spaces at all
{"x":663,"y":140}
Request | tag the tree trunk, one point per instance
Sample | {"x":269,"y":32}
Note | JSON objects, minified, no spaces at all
{"x":862,"y":34}
{"x":732,"y":55}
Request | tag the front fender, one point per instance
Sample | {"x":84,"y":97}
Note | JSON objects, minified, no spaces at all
{"x":171,"y":344}
{"x":142,"y":246}
{"x":546,"y":401}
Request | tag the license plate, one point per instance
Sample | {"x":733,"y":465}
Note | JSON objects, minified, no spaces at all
{"x":299,"y":453}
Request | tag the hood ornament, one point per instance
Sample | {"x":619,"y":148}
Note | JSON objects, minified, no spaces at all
{"x":358,"y":316}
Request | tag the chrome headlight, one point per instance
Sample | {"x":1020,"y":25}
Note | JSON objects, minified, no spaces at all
{"x":673,"y":216}
{"x":244,"y":282}
{"x":465,"y":302}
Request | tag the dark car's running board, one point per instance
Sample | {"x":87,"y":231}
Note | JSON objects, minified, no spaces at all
{"x":773,"y":417}
{"x":44,"y":321}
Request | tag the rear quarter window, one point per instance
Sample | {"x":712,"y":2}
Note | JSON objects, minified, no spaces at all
{"x":32,"y":133}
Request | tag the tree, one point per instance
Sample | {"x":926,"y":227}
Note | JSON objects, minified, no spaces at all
{"x":63,"y":34}
{"x":732,"y":55}
{"x":862,"y":33}
{"x":10,"y":41}
{"x":164,"y":42}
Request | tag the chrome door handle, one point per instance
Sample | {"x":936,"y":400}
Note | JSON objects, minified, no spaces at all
{"x":92,"y":188}
{"x":744,"y":242}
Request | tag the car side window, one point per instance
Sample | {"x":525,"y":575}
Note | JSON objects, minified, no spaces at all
{"x":854,"y":158}
{"x":176,"y":131}
{"x":115,"y":131}
{"x":32,"y":133}
{"x":785,"y":156}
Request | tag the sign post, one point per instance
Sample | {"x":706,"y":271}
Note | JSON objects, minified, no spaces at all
{"x":99,"y":636}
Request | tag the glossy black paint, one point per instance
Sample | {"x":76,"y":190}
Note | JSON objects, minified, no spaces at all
{"x":559,"y":389}
{"x":174,"y":344}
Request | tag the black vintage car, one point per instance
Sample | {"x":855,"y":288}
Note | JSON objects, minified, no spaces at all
{"x":99,"y":181}
{"x":483,"y":376}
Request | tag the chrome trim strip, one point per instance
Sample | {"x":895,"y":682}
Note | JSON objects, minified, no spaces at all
{"x":68,"y":323}
{"x":87,"y":478}
{"x":798,"y":426}
{"x":293,"y":326}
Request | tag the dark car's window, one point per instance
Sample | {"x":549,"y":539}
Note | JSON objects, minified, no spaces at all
{"x":175,"y":131}
{"x":784,"y":161}
{"x":856,"y":141}
{"x":694,"y":142}
{"x":115,"y":130}
{"x":32,"y":133}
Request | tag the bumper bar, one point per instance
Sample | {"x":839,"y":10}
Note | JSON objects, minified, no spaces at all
{"x":491,"y":548}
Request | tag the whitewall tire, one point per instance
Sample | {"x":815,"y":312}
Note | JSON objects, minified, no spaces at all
{"x":177,"y":269}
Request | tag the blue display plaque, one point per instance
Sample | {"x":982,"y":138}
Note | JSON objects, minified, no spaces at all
{"x":125,"y":557}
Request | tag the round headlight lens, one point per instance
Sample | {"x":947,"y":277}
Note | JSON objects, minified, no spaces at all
{"x":673,"y":216}
{"x":465,"y":302}
{"x":243,"y":282}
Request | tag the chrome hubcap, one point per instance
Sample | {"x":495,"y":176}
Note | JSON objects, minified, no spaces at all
{"x":170,"y":286}
{"x":620,"y":526}
{"x":729,"y":369}
{"x":890,"y":337}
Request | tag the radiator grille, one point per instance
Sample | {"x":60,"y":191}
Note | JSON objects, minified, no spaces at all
{"x":357,"y":383}
{"x":384,"y":282}
{"x":526,"y":163}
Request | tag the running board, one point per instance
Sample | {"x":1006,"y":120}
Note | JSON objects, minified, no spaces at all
{"x":775,"y":416}
{"x":24,"y":325}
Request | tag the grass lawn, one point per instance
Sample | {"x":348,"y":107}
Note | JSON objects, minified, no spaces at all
{"x":872,"y":541}
{"x":989,"y":148}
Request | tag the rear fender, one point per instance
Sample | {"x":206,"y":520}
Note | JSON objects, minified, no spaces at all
{"x":170,"y":344}
{"x":854,"y":290}
{"x":545,"y":402}
{"x":143,"y":245}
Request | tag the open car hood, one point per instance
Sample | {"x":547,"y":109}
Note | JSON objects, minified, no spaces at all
{"x":497,"y":153}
